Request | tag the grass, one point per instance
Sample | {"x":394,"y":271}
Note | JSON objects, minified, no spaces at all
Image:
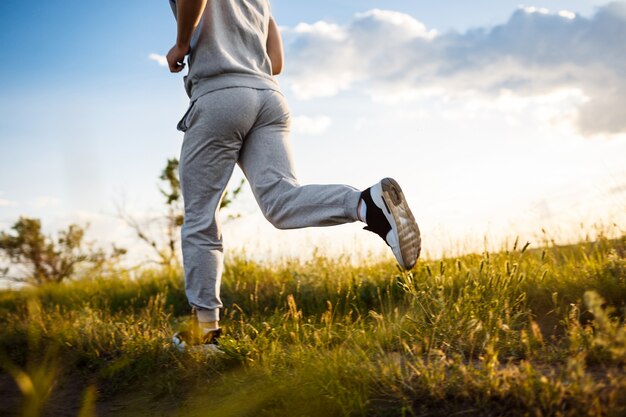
{"x":520,"y":332}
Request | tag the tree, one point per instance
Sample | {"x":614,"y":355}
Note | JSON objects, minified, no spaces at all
{"x":42,"y":260}
{"x":165,"y":247}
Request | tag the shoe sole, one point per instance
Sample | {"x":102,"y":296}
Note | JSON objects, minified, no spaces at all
{"x":182,"y":346}
{"x":208,"y":349}
{"x":406,"y":233}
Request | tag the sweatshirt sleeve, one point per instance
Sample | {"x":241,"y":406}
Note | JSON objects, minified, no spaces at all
{"x":173,"y":6}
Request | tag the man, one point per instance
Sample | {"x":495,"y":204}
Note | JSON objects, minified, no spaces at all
{"x":238,"y":115}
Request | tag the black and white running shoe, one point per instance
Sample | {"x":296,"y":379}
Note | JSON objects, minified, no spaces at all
{"x":194,"y":337}
{"x":388,"y":215}
{"x":192,"y":341}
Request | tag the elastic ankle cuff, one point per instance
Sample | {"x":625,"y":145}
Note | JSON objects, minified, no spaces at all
{"x":351,"y":203}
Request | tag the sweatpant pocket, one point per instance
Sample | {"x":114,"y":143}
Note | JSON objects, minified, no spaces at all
{"x":183,"y":123}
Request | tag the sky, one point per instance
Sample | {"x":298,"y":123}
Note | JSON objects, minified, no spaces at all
{"x":497,"y":118}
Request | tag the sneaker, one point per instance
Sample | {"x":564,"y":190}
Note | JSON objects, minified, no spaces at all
{"x":193,"y":341}
{"x":389,"y":216}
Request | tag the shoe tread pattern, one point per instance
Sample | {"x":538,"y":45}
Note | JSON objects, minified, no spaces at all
{"x":408,"y":230}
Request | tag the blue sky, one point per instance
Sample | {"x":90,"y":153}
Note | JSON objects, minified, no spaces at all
{"x":87,"y":119}
{"x":60,"y":46}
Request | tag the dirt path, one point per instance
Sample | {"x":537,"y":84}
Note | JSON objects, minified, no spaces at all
{"x":68,"y":396}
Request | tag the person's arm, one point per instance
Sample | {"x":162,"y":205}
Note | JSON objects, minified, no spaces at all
{"x":173,"y":7}
{"x":275,"y":47}
{"x":188,"y":14}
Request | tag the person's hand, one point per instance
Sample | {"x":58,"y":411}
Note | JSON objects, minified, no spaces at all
{"x":175,"y":58}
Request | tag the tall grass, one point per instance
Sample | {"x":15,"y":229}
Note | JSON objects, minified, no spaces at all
{"x":520,"y":332}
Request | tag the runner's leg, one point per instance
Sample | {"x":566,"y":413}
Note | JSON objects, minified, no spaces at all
{"x":267,"y":162}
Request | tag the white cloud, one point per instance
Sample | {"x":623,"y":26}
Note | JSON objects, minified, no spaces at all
{"x":567,"y":14}
{"x":159,"y":59}
{"x":536,"y":52}
{"x":533,"y":9}
{"x":7,"y":203}
{"x":323,"y":29}
{"x":405,"y":26}
{"x":306,"y":125}
{"x":318,"y":54}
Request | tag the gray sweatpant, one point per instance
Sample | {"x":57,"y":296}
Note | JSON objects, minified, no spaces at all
{"x":249,"y":127}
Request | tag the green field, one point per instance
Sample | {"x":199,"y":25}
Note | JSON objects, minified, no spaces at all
{"x":521,"y":332}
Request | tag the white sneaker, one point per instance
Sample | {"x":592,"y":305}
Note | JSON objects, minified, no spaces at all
{"x":193,"y":342}
{"x":388,"y":215}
